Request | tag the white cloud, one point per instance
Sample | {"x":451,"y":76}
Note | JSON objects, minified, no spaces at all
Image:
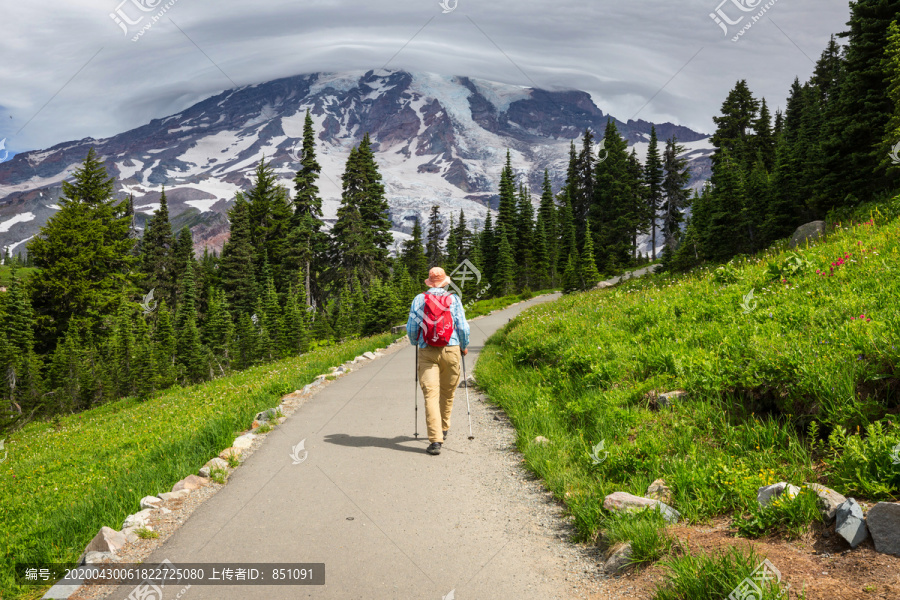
{"x":621,"y":52}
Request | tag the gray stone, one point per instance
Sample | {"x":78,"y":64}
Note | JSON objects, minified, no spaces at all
{"x":243,"y":442}
{"x":266,"y":415}
{"x":151,"y":502}
{"x":106,"y":540}
{"x":658,"y":490}
{"x":398,"y":329}
{"x":541,"y":440}
{"x":191,"y":482}
{"x":369,"y":355}
{"x":618,"y":560}
{"x":94,"y":557}
{"x":130,"y":535}
{"x":624,"y":502}
{"x":850,"y":523}
{"x":811,"y":231}
{"x":166,"y":496}
{"x":766,"y":494}
{"x":138,"y":519}
{"x":340,"y":370}
{"x":829,"y":500}
{"x":669,"y":398}
{"x":884,"y":524}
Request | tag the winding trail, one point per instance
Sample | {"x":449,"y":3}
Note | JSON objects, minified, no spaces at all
{"x":422,"y":526}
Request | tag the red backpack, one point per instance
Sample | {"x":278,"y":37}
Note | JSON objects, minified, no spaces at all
{"x":438,"y":322}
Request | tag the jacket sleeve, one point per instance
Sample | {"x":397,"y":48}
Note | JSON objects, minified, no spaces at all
{"x":460,"y":323}
{"x":412,"y":324}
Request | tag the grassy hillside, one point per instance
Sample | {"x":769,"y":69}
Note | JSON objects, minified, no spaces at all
{"x":798,"y":381}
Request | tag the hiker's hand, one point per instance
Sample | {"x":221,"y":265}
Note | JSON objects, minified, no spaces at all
{"x":465,"y":352}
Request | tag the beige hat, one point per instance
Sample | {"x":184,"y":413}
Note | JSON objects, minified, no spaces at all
{"x":437,"y":278}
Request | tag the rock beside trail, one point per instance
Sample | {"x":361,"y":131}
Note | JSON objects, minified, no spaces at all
{"x":624,"y":502}
{"x":213,"y":463}
{"x":541,"y":440}
{"x":106,"y":540}
{"x":829,"y":500}
{"x":811,"y":231}
{"x":766,"y":494}
{"x":191,"y":482}
{"x":138,"y":519}
{"x":370,"y":355}
{"x":669,"y":398}
{"x":850,"y":523}
{"x":883,"y":521}
{"x":151,"y":502}
{"x":658,"y":490}
{"x":95,"y":558}
{"x":229,"y":452}
{"x":266,"y":415}
{"x":618,"y":560}
{"x":166,"y":496}
{"x":244,"y":442}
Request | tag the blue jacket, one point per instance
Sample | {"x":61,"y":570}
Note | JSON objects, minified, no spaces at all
{"x":460,"y":336}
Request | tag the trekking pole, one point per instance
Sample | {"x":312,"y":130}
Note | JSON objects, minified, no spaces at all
{"x":416,"y":391}
{"x":468,"y":411}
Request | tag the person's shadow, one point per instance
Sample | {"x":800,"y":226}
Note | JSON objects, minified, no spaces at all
{"x":367,"y":441}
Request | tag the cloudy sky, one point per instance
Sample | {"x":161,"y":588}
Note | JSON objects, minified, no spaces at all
{"x":68,"y":70}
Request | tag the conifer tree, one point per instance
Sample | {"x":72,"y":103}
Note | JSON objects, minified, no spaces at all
{"x":589,"y":275}
{"x":189,"y":349}
{"x":374,"y":209}
{"x":166,"y":344}
{"x":653,"y":176}
{"x":295,"y":334}
{"x":82,"y":254}
{"x":489,"y":249}
{"x":144,"y":363}
{"x":524,"y":227}
{"x":414,"y":254}
{"x":157,"y":264}
{"x":236,"y":267}
{"x":182,"y":254}
{"x":353,"y":238}
{"x":436,"y":232}
{"x":307,"y":241}
{"x":218,"y":329}
{"x":675,"y":191}
{"x":571,"y":275}
{"x":548,"y":219}
{"x":506,"y":210}
{"x":124,"y":351}
{"x":505,"y":274}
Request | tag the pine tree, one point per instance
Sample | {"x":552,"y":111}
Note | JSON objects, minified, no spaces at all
{"x":145,"y":378}
{"x":675,"y":191}
{"x":525,"y":237}
{"x":734,"y":125}
{"x":182,"y":254}
{"x":296,"y":339}
{"x":124,"y":351}
{"x":157,"y":265}
{"x":218,"y":329}
{"x":488,"y":249}
{"x":726,"y":234}
{"x":189,"y":351}
{"x":589,"y":275}
{"x":548,"y":220}
{"x":763,"y":138}
{"x":414,"y":254}
{"x":236,"y":268}
{"x":571,"y":275}
{"x":374,"y":209}
{"x":653,"y":177}
{"x":506,"y":210}
{"x":306,"y":240}
{"x":436,"y":232}
{"x":353,"y":238}
{"x":891,"y":138}
{"x":166,"y":344}
{"x":505,"y":275}
{"x":82,"y":254}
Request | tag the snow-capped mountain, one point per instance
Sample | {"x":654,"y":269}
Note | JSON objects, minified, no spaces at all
{"x":438,"y":140}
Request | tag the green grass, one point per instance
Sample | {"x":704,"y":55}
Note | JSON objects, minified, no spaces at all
{"x":21,"y":273}
{"x":712,"y":576}
{"x":58,"y":486}
{"x":483,"y":307}
{"x":645,"y":531}
{"x":762,"y":373}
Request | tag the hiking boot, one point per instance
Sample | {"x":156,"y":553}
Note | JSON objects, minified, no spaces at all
{"x":445,"y":435}
{"x":434,"y":448}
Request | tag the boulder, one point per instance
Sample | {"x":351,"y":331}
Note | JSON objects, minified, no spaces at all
{"x":623,"y":502}
{"x":340,"y":370}
{"x":829,"y":500}
{"x":883,"y":521}
{"x":541,"y":440}
{"x":213,"y":463}
{"x":95,"y":558}
{"x":166,"y":496}
{"x":130,"y":534}
{"x":138,"y":519}
{"x":658,"y":490}
{"x":670,"y":398}
{"x":766,"y":494}
{"x":151,"y":502}
{"x":191,"y":482}
{"x":811,"y":231}
{"x":229,"y":452}
{"x":850,"y":524}
{"x":243,"y":442}
{"x":106,"y":540}
{"x":266,"y":415}
{"x":618,"y":560}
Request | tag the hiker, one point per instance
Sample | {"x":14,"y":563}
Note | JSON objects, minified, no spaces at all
{"x":437,"y":325}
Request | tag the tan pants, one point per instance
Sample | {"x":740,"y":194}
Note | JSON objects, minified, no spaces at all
{"x":439,"y":376}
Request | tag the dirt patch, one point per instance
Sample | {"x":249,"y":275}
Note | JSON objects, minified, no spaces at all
{"x":820,"y":564}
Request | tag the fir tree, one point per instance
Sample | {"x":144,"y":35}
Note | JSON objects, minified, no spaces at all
{"x":436,"y":232}
{"x":590,"y":276}
{"x":157,"y":265}
{"x":505,"y":274}
{"x":653,"y":177}
{"x":306,"y":240}
{"x":166,"y":344}
{"x":237,"y":265}
{"x":414,"y":254}
{"x":675,"y":191}
{"x":548,"y":221}
{"x":189,"y":349}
